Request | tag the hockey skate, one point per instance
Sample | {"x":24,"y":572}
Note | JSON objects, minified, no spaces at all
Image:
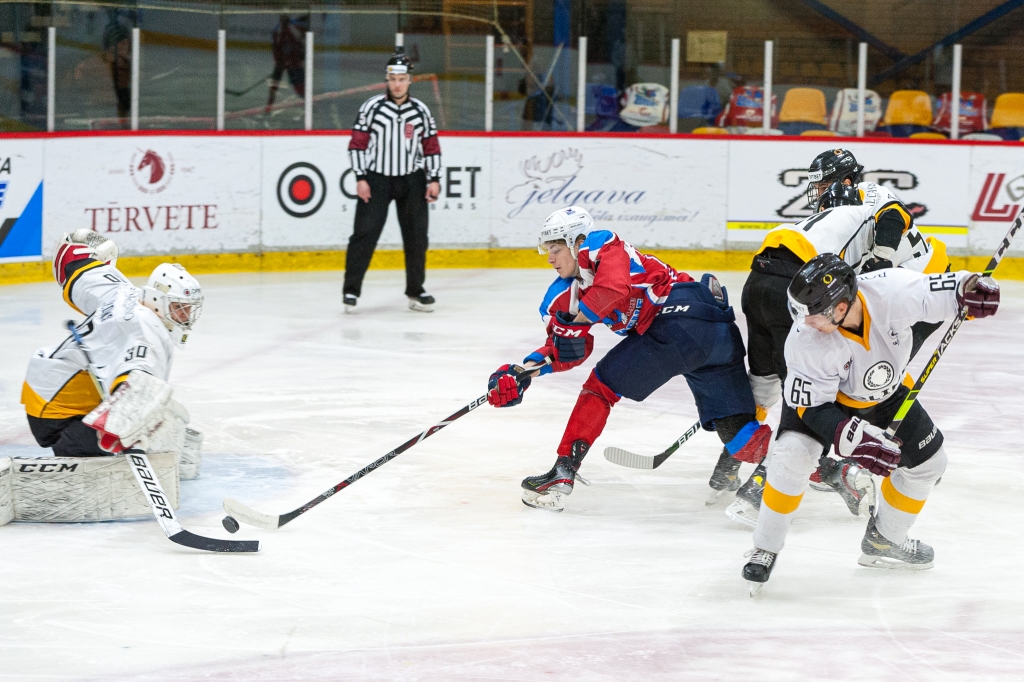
{"x":725,"y":478}
{"x":817,"y":484}
{"x":853,"y":483}
{"x":757,"y":571}
{"x":878,"y":552}
{"x":745,"y":507}
{"x":350,"y":302}
{"x":548,"y":491}
{"x":424,"y":303}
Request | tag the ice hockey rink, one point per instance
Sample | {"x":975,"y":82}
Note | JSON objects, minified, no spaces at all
{"x":431,"y":568}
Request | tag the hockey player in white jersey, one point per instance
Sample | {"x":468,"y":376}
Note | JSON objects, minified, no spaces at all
{"x":847,"y":356}
{"x":130,"y":335}
{"x":868,"y":227}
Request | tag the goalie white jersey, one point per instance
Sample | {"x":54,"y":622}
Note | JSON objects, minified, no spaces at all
{"x":120,"y":335}
{"x":849,"y":232}
{"x":861,"y":371}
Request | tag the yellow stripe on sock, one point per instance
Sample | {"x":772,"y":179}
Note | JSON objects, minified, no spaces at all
{"x":898,"y":500}
{"x":780,"y":502}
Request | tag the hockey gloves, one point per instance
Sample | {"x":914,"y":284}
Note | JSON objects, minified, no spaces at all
{"x":569,"y":337}
{"x":867,"y":445}
{"x":506,"y":387}
{"x":875,"y":263}
{"x":979,"y":294}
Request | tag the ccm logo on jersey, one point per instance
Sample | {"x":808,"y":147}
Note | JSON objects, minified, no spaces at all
{"x":46,"y":468}
{"x":665,"y":310}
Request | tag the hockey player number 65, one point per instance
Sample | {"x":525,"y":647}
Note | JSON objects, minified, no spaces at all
{"x":800,"y":396}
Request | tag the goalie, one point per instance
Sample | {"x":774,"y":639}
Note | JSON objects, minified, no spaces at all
{"x":128,"y":337}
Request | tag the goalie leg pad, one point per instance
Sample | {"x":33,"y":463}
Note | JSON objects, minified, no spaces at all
{"x":76,"y":489}
{"x":6,"y":493}
{"x":191,"y":455}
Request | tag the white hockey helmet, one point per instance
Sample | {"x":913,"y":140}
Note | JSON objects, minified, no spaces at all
{"x":565,"y":224}
{"x":176,"y":297}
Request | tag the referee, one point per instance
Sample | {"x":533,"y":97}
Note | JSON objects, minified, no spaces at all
{"x":395,"y":156}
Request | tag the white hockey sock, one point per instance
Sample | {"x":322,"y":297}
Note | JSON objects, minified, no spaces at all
{"x":794,"y":458}
{"x":903,"y":496}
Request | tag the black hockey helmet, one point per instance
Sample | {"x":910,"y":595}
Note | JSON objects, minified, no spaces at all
{"x":399,"y":63}
{"x":835,"y":165}
{"x":820,"y":284}
{"x":838,"y":194}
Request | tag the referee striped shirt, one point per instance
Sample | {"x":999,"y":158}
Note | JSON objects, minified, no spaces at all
{"x":395,"y":139}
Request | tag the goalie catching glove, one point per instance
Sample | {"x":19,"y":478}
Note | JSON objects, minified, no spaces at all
{"x":140,"y":414}
{"x":505,"y":388}
{"x":867,"y":445}
{"x":979,"y":294}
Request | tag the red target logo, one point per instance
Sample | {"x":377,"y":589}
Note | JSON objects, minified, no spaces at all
{"x":301,"y":190}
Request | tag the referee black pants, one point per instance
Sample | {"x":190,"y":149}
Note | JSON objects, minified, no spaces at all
{"x":409,"y":194}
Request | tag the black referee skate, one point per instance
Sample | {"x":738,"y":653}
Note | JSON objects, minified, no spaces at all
{"x":878,"y":552}
{"x":350,"y":302}
{"x":424,"y":303}
{"x":725,"y":478}
{"x":853,"y":483}
{"x":745,"y":507}
{"x":757,"y":571}
{"x":546,"y":491}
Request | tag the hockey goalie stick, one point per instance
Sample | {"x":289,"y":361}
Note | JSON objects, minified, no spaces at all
{"x":239,"y":512}
{"x":629,"y":459}
{"x":154,"y":493}
{"x":911,"y":398}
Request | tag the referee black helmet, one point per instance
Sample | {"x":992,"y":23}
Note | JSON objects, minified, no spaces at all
{"x":399,"y":63}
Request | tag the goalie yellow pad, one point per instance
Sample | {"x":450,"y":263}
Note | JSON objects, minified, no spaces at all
{"x":79,"y":489}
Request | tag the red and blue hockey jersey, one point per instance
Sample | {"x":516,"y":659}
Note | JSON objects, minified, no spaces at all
{"x":617,"y":286}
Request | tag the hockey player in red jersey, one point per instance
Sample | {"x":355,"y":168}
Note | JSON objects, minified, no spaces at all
{"x":672,"y":326}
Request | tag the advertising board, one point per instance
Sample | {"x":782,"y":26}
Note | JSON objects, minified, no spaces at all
{"x":21,"y":199}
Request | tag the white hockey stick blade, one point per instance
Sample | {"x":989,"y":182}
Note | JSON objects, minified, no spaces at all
{"x":626,"y":458}
{"x":157,"y":499}
{"x":240,"y":512}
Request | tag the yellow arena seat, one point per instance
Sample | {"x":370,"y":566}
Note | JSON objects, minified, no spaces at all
{"x":1008,"y":111}
{"x":710,"y":130}
{"x":928,"y":136}
{"x":908,"y":107}
{"x":818,"y":133}
{"x":805,"y":105}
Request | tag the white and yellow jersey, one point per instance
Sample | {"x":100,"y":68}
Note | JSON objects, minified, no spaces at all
{"x":120,"y":335}
{"x":849,"y":232}
{"x":863,"y":370}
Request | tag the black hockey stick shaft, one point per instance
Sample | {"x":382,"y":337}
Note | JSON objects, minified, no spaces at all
{"x":239,"y":93}
{"x":240,"y":511}
{"x":146,"y":477}
{"x":285,"y":518}
{"x":658,"y":459}
{"x":911,"y":398}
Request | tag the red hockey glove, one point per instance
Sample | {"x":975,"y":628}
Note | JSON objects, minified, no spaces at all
{"x":867,"y":445}
{"x":569,"y":337}
{"x":979,"y":294}
{"x":503,"y":388}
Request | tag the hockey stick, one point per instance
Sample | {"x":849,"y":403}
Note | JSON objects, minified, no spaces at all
{"x":154,"y":493}
{"x":629,"y":459}
{"x":239,"y":512}
{"x":911,"y":398}
{"x":239,"y":93}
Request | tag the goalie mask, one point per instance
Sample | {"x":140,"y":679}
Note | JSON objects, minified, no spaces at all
{"x":565,"y":224}
{"x":176,"y":298}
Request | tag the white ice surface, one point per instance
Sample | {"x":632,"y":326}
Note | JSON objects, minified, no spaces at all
{"x":431,"y":568}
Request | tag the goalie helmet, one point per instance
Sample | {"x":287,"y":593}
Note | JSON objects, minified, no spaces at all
{"x":176,"y":297}
{"x":819,"y":285}
{"x":565,"y":224}
{"x":828,"y":167}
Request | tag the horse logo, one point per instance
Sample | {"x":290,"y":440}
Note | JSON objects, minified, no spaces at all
{"x":160,"y":171}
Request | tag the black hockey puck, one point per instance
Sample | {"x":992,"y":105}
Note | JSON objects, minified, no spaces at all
{"x":230,"y":525}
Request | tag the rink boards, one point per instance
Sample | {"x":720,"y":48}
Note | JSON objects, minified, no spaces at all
{"x":250,"y":201}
